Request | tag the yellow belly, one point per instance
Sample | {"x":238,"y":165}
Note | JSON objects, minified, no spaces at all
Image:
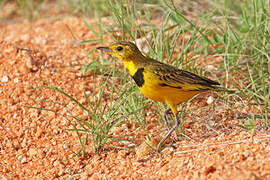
{"x":166,"y":94}
{"x":153,"y":90}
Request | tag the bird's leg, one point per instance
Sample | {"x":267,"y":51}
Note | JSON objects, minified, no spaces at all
{"x":166,"y":118}
{"x":177,"y":122}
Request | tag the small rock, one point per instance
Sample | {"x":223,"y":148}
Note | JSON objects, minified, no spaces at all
{"x":66,"y":146}
{"x":237,"y":146}
{"x":61,"y":172}
{"x":3,"y":177}
{"x":16,"y":80}
{"x":87,"y":92}
{"x":32,"y":152}
{"x":39,"y":133}
{"x":4,"y":79}
{"x":25,"y":37}
{"x":56,"y":163}
{"x":85,"y":113}
{"x":211,"y":123}
{"x":210,"y":67}
{"x":40,"y":40}
{"x":24,"y":143}
{"x":23,"y":160}
{"x":64,"y":122}
{"x":131,"y":145}
{"x":56,"y":131}
{"x":210,"y":100}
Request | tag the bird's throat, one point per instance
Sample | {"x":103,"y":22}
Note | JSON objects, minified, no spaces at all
{"x":130,"y":66}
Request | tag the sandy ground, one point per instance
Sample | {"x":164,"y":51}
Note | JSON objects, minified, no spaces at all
{"x":36,"y":143}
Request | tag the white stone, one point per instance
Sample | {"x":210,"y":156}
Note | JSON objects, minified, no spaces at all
{"x":16,"y":80}
{"x":4,"y":79}
{"x":210,"y":100}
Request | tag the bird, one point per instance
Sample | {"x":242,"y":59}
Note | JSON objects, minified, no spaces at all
{"x":159,"y":81}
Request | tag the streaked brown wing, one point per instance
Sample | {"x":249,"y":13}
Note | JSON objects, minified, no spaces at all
{"x":173,"y":77}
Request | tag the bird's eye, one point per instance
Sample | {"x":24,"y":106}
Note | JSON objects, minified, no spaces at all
{"x":119,"y":48}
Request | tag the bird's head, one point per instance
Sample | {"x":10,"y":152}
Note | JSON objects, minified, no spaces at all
{"x":122,"y":50}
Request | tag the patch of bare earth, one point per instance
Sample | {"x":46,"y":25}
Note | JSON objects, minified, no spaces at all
{"x":36,"y":143}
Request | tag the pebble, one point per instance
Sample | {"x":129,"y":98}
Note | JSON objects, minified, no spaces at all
{"x":14,"y":115}
{"x":25,"y":37}
{"x":66,"y":146}
{"x":4,"y":79}
{"x":85,"y":113}
{"x":23,"y":160}
{"x":56,"y":163}
{"x":32,"y":152}
{"x":16,"y":80}
{"x":210,"y":67}
{"x":64,"y":122}
{"x":3,"y":177}
{"x":210,"y":100}
{"x":39,"y":133}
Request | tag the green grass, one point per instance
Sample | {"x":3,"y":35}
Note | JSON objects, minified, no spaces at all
{"x":101,"y":117}
{"x":246,"y":46}
{"x":93,"y":8}
{"x":30,"y":8}
{"x":240,"y":29}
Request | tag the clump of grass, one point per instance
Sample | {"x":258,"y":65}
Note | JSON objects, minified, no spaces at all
{"x":100,"y":119}
{"x":245,"y":37}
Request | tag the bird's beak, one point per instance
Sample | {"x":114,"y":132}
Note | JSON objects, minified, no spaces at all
{"x":104,"y":48}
